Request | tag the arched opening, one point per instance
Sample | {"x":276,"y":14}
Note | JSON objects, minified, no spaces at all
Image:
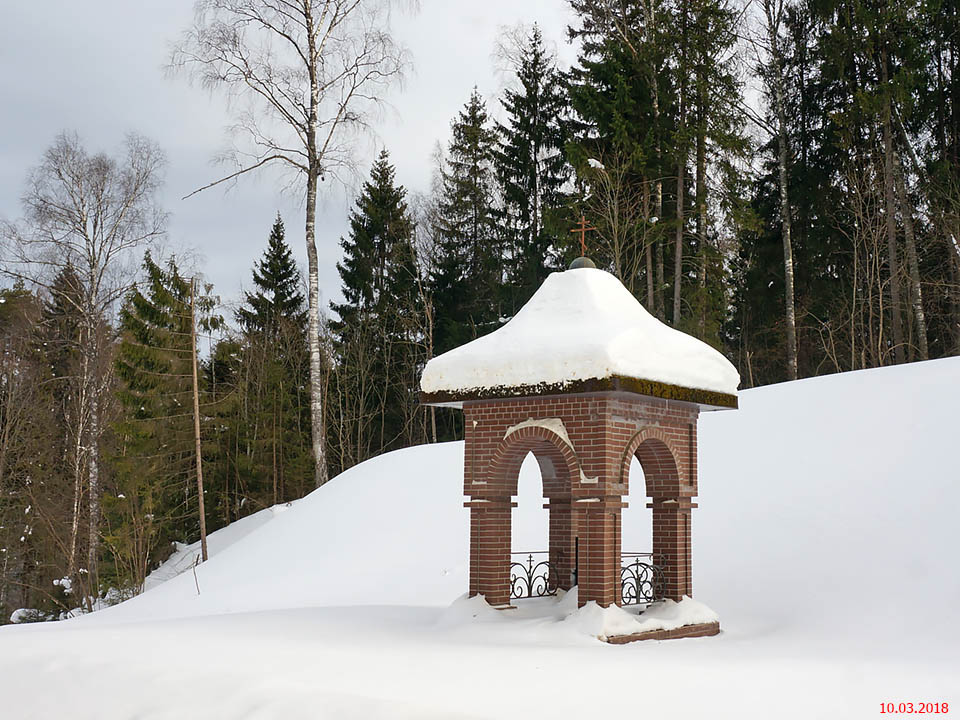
{"x":530,"y":569}
{"x":530,"y":519}
{"x":530,"y":476}
{"x":661,"y":476}
{"x":637,"y":530}
{"x":662,"y":527}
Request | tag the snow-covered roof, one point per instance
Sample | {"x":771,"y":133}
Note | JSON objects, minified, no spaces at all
{"x":582,"y":331}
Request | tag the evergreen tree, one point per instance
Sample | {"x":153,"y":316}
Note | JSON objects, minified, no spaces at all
{"x":820,"y":211}
{"x":58,"y":343}
{"x":531,"y":169}
{"x":377,"y":268}
{"x":153,"y":500}
{"x":719,"y":145}
{"x":278,"y":298}
{"x":861,"y":210}
{"x":657,"y":98}
{"x":60,"y":335}
{"x":937,"y":120}
{"x":375,"y":343}
{"x":264,"y":442}
{"x":623,"y":94}
{"x":467,"y":276}
{"x":35,"y":485}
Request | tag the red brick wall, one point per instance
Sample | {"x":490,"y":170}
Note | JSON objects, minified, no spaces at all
{"x":584,"y":483}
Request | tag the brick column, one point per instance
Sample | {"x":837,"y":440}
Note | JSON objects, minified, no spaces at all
{"x":562,"y":541}
{"x":671,"y":544}
{"x":490,"y":549}
{"x":599,"y":533}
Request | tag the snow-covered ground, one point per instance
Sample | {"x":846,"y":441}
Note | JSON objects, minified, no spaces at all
{"x":826,"y":541}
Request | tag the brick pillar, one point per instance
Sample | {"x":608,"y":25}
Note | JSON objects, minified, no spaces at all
{"x":562,"y":541}
{"x":490,"y":549}
{"x":671,"y":544}
{"x":599,"y":533}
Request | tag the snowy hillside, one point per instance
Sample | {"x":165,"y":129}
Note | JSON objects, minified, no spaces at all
{"x":826,"y":541}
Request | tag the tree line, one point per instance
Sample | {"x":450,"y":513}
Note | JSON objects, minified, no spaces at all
{"x":780,"y":179}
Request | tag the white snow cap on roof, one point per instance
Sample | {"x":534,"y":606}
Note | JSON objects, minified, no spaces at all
{"x":581,"y":324}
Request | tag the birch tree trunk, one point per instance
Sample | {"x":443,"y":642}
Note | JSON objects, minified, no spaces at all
{"x":317,"y":433}
{"x":681,"y":165}
{"x":314,"y":69}
{"x":648,"y":245}
{"x":93,"y":488}
{"x":773,"y":16}
{"x":317,"y":424}
{"x":678,"y":244}
{"x":890,"y":214}
{"x":913,"y":265}
{"x":701,"y":201}
{"x":651,"y":29}
{"x":76,"y":505}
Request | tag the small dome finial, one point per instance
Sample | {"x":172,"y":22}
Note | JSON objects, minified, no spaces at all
{"x":582,"y":262}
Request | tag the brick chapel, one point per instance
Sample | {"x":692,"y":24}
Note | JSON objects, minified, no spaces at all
{"x":586,"y":379}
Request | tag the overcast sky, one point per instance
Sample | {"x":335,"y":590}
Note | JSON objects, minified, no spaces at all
{"x":96,"y":67}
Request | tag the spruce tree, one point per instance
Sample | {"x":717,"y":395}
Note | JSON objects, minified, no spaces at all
{"x":625,"y":135}
{"x":58,"y":343}
{"x":35,"y":486}
{"x":267,"y":367}
{"x":658,"y":105}
{"x":375,"y":343}
{"x":466,"y":279}
{"x":278,"y":298}
{"x":856,"y":138}
{"x":718,"y":146}
{"x":60,"y":339}
{"x":531,"y":169}
{"x":153,"y":500}
{"x":377,"y":267}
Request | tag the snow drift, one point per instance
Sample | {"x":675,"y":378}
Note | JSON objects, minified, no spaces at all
{"x":825,"y":540}
{"x":819,"y":492}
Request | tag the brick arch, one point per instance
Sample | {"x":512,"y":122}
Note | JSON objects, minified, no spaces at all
{"x":662,"y":470}
{"x":557,"y":460}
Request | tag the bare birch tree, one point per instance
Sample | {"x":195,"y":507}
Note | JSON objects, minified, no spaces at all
{"x":682,"y":149}
{"x":773,"y":12}
{"x":893,"y":259}
{"x":621,"y":210}
{"x":87,"y":213}
{"x":913,"y":264}
{"x":311,"y":71}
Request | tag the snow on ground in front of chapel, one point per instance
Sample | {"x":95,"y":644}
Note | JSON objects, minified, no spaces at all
{"x":825,"y":540}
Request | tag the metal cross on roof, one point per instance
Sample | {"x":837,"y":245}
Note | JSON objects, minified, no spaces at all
{"x":582,"y":229}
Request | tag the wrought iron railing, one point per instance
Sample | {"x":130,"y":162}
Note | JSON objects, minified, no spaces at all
{"x":531,"y":579}
{"x":641,"y":579}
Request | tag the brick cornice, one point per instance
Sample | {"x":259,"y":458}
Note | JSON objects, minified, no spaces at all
{"x":489,"y":503}
{"x":679,"y":504}
{"x":616,"y":383}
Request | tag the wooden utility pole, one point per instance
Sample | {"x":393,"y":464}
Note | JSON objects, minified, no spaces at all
{"x":196,"y":422}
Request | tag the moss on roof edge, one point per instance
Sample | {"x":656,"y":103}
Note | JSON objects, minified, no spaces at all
{"x":615,"y":383}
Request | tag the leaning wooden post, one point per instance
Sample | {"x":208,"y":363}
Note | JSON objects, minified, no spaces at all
{"x":196,"y":423}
